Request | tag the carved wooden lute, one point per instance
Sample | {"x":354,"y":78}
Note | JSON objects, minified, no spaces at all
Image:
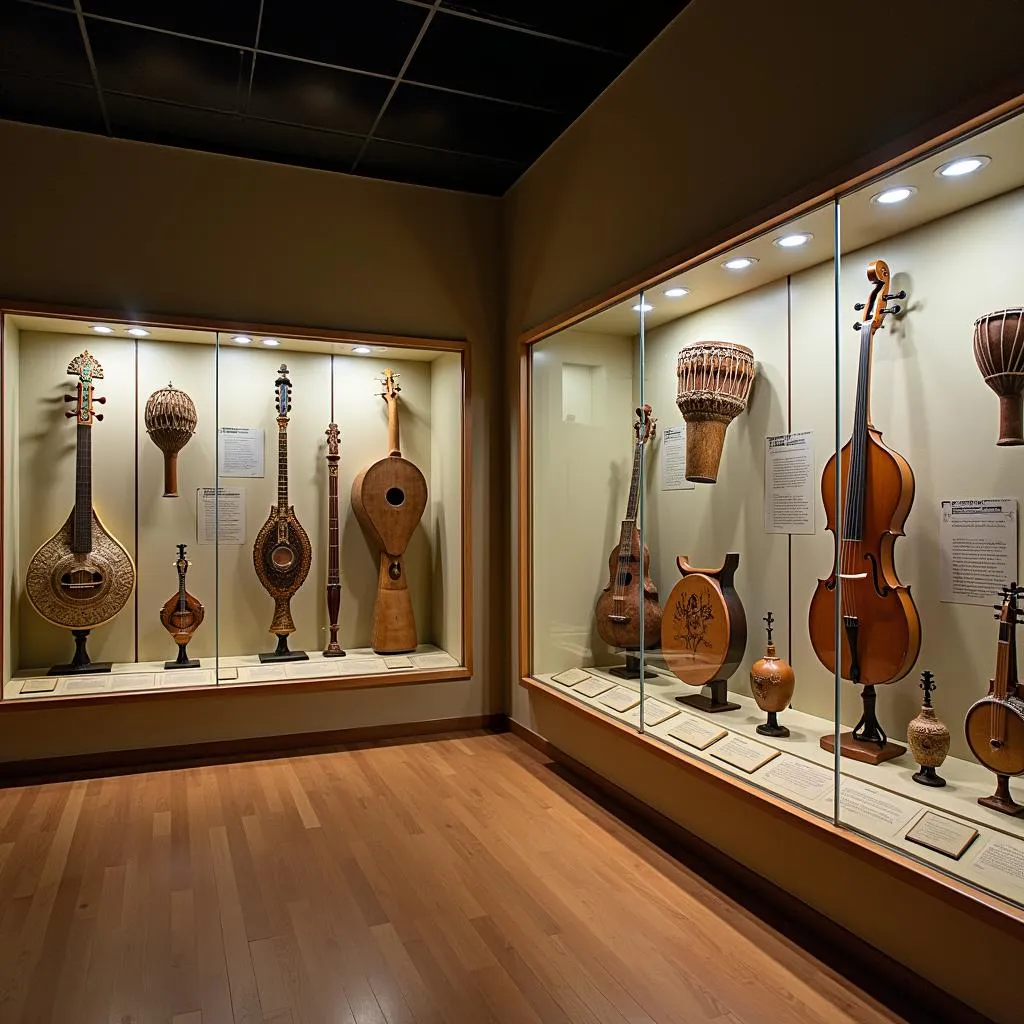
{"x":182,"y":614}
{"x":82,"y":576}
{"x":333,"y":649}
{"x":388,"y":499}
{"x":281,"y":553}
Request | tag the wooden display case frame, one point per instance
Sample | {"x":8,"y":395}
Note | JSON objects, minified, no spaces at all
{"x":461,"y":672}
{"x":959,"y":123}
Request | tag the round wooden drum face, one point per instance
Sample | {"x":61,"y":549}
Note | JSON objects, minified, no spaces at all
{"x":695,"y":630}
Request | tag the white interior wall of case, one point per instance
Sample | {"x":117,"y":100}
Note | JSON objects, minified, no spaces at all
{"x":241,"y":391}
{"x":928,"y":399}
{"x":12,"y":520}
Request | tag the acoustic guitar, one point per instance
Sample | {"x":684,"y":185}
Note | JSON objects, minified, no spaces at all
{"x":182,"y":615}
{"x":388,"y":499}
{"x":282,"y":553}
{"x":82,"y":576}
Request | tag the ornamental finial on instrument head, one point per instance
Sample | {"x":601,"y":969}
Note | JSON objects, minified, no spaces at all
{"x":768,"y":620}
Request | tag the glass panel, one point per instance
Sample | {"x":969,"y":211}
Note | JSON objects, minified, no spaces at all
{"x":947,"y":230}
{"x":585,"y":472}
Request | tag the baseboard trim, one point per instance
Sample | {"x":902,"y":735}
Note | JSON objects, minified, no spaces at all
{"x":123,"y":762}
{"x":897,"y":987}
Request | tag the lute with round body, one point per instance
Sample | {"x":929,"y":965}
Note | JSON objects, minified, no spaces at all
{"x":388,"y":499}
{"x":995,"y":724}
{"x":181,"y":615}
{"x":82,"y":576}
{"x":282,"y":553}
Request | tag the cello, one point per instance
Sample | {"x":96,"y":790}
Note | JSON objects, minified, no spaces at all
{"x":995,"y":724}
{"x":880,"y":630}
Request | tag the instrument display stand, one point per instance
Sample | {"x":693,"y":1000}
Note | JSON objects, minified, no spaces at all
{"x":282,"y":653}
{"x":718,"y":701}
{"x":772,"y":727}
{"x":928,"y":776}
{"x":867,"y":741}
{"x":1001,"y":800}
{"x":81,"y":664}
{"x":183,"y":661}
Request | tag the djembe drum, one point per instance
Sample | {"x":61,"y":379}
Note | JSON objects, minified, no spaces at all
{"x":171,"y":420}
{"x":999,"y":353}
{"x":714,"y":381}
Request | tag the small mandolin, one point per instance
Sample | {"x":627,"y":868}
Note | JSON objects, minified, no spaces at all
{"x":281,"y":553}
{"x":182,"y":615}
{"x":82,"y":576}
{"x":629,"y":568}
{"x":995,"y":724}
{"x":388,"y":499}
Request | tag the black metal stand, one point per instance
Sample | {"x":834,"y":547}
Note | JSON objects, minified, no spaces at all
{"x":631,"y":670}
{"x":718,"y":701}
{"x":183,"y":661}
{"x":868,"y":729}
{"x":80,"y":664}
{"x":772,"y":727}
{"x":927,"y":776}
{"x":282,"y":653}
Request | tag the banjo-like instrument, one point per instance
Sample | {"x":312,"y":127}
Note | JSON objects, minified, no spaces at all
{"x":82,"y":576}
{"x":282,"y":553}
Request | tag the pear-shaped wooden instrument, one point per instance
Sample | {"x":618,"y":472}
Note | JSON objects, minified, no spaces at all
{"x":182,"y":615}
{"x":772,"y":681}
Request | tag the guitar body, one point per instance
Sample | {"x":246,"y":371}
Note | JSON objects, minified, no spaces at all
{"x":282,"y":556}
{"x":636,"y":582}
{"x":182,"y":623}
{"x":389,"y":499}
{"x":80,"y":590}
{"x":1006,"y":757}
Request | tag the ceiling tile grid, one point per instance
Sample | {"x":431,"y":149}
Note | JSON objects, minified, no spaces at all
{"x":461,"y":94}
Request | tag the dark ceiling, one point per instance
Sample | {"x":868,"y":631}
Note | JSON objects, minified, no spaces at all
{"x":461,"y":94}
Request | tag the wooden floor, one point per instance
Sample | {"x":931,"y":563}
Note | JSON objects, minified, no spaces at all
{"x":453,"y":880}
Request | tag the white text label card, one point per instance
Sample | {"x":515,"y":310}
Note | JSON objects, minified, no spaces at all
{"x":220,"y":515}
{"x":240,"y":451}
{"x":789,"y":497}
{"x":942,"y":834}
{"x":747,"y":755}
{"x":977,"y":549}
{"x":673,"y":460}
{"x":696,"y":733}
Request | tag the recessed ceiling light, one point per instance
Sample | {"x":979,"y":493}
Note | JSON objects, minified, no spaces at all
{"x":642,"y":307}
{"x":739,"y":263}
{"x":272,"y":342}
{"x":102,"y":329}
{"x":894,"y":195}
{"x":676,"y":293}
{"x":361,"y":350}
{"x":963,"y":165}
{"x":138,"y":332}
{"x":793,"y":241}
{"x":241,"y":339}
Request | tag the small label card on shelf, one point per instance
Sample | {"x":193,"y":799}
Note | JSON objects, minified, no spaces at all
{"x":622,"y":698}
{"x":44,"y":684}
{"x":744,"y":754}
{"x":655,"y":712}
{"x":593,"y":687}
{"x":943,"y":835}
{"x":398,"y":662}
{"x":874,"y":810}
{"x":571,"y":677}
{"x":800,"y":779}
{"x":225,"y":672}
{"x":697,"y":733}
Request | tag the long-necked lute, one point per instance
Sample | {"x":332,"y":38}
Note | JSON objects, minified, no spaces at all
{"x":282,"y":553}
{"x":880,"y":634}
{"x":333,"y":649}
{"x":995,"y":724}
{"x":388,"y":499}
{"x":629,"y":568}
{"x":82,"y":576}
{"x":181,"y":615}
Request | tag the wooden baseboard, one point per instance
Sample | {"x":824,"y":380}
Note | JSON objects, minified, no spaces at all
{"x":896,"y":986}
{"x":121,"y":762}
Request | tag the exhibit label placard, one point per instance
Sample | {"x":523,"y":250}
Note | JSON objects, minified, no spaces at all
{"x":240,"y":451}
{"x":789,"y":483}
{"x":220,"y":515}
{"x":942,"y":834}
{"x":673,"y":460}
{"x":977,"y":549}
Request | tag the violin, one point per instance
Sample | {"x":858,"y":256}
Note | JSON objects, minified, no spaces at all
{"x":880,"y":634}
{"x":995,"y":724}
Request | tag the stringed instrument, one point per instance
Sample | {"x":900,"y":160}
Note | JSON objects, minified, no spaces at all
{"x":388,"y":499}
{"x":182,"y":615}
{"x":333,"y":650}
{"x":995,"y":724}
{"x":82,"y":576}
{"x":629,"y":568}
{"x":281,"y":553}
{"x":881,"y":632}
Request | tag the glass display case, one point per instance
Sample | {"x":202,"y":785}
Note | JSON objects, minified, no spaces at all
{"x":773,"y":510}
{"x":188,"y":508}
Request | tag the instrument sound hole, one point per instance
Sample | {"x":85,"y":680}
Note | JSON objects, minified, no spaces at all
{"x":625,"y":578}
{"x":395,"y":496}
{"x":282,"y":557}
{"x":80,"y":582}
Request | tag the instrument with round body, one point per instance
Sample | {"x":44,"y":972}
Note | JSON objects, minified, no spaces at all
{"x":772,"y":682}
{"x":999,"y":353}
{"x":170,"y":419}
{"x":182,"y":614}
{"x":714,"y":381}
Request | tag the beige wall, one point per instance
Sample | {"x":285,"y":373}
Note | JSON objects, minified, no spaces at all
{"x":144,"y":229}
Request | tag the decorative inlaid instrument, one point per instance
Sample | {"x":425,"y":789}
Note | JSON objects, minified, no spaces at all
{"x":181,"y":615}
{"x":333,"y":650}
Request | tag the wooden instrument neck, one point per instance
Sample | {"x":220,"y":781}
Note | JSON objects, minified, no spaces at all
{"x":282,"y":462}
{"x":856,"y":481}
{"x":81,"y":541}
{"x":394,"y":446}
{"x":333,"y":559}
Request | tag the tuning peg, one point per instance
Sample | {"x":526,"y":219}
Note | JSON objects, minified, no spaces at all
{"x":858,"y":326}
{"x":69,"y":398}
{"x":102,"y":401}
{"x":69,"y":415}
{"x":99,"y":415}
{"x":858,"y":306}
{"x":892,"y":309}
{"x":898,"y":295}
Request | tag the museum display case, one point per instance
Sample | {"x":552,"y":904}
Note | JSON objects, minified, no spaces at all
{"x":771,"y":510}
{"x":186,"y":507}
